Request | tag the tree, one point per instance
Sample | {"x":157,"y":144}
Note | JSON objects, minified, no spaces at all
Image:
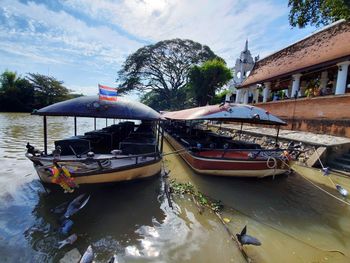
{"x":206,"y":79}
{"x":16,"y":93}
{"x":163,"y":69}
{"x":47,"y":89}
{"x":317,"y":12}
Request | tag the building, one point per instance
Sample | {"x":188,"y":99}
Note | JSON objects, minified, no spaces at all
{"x":307,"y":83}
{"x":244,"y":64}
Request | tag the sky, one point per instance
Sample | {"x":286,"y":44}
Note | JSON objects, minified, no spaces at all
{"x":84,"y":42}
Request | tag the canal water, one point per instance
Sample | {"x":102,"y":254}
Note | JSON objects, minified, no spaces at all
{"x":294,"y":220}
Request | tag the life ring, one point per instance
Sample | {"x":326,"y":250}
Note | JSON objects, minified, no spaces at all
{"x":274,"y":164}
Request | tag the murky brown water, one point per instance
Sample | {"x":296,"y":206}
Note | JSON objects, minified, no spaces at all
{"x":295,"y":221}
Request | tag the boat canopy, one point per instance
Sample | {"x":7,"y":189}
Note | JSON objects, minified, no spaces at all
{"x":91,"y":106}
{"x":227,"y":112}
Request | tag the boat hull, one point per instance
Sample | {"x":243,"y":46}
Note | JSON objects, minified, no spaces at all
{"x":228,"y":166}
{"x":140,"y":171}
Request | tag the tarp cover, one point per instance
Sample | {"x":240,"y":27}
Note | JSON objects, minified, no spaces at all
{"x":226,"y":112}
{"x":91,"y":106}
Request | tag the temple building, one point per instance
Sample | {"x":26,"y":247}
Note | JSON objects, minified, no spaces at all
{"x":307,"y":83}
{"x":244,"y":64}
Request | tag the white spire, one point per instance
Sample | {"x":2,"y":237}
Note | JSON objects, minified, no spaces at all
{"x":246,"y":46}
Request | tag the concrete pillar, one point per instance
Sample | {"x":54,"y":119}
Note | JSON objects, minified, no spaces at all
{"x":324,"y":81}
{"x":342,"y":77}
{"x":246,"y":96}
{"x":266,"y":91}
{"x":296,"y":85}
{"x":255,"y":94}
{"x":238,"y":95}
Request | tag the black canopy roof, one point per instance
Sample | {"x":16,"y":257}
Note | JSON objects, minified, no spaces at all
{"x":91,"y":106}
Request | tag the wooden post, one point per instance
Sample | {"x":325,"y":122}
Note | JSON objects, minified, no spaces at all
{"x":75,"y":126}
{"x":45,"y":135}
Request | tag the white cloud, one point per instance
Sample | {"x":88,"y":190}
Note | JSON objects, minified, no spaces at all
{"x":62,"y":31}
{"x":223,"y":25}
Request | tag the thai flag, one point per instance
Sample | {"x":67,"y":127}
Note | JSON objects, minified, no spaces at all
{"x":107,"y":93}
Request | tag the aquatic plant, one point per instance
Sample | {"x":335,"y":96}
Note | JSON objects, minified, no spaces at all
{"x":199,"y":198}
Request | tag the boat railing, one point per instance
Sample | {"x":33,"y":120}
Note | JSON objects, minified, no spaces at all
{"x":155,"y":155}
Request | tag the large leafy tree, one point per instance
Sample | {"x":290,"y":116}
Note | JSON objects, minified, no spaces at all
{"x":208,"y":78}
{"x":163,"y":69}
{"x":317,"y":12}
{"x":48,"y":90}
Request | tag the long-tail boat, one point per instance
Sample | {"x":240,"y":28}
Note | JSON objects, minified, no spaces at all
{"x":123,"y":151}
{"x":207,"y":152}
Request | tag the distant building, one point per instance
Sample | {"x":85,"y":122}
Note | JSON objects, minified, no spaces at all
{"x":308,"y":82}
{"x":244,"y":64}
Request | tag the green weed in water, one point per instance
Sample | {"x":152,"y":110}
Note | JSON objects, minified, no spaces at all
{"x":203,"y":200}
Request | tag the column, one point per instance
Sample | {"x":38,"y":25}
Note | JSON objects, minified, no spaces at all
{"x":255,"y":91}
{"x":323,"y":81}
{"x":246,"y":96}
{"x":266,"y":91}
{"x":238,"y":95}
{"x":295,"y":86}
{"x":342,"y":77}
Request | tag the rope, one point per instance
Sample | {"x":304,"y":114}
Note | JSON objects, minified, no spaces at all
{"x":328,"y":193}
{"x":318,"y":187}
{"x":323,"y":168}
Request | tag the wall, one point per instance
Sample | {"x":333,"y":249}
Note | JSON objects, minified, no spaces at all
{"x":325,"y":114}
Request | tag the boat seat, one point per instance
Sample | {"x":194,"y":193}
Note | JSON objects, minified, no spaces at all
{"x":135,"y":145}
{"x":105,"y":144}
{"x":80,"y":146}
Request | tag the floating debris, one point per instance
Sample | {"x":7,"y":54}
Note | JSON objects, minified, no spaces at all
{"x":66,"y":227}
{"x":88,"y":256}
{"x":342,"y":190}
{"x":69,"y":240}
{"x":245,"y":239}
{"x":77,"y":204}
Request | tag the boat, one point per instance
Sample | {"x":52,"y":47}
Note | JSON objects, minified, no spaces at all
{"x":208,"y":152}
{"x":126,"y":150}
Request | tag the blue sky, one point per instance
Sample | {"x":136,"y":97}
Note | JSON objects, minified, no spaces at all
{"x":84,"y":42}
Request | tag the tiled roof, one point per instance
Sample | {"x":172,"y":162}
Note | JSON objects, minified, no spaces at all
{"x":329,"y":44}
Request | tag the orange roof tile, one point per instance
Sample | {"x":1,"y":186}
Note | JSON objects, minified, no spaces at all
{"x":329,"y":44}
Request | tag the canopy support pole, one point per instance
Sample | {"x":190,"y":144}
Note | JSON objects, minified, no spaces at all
{"x":95,"y":124}
{"x":162,"y":141}
{"x":45,"y":135}
{"x":106,"y":122}
{"x":75,"y":126}
{"x":278,"y":132}
{"x":241,"y":131}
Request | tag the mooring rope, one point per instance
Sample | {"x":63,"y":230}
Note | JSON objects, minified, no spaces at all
{"x":318,"y":187}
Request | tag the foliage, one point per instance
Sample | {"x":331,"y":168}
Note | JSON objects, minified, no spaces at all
{"x":188,"y":189}
{"x":18,"y":94}
{"x":206,"y":79}
{"x":48,"y":90}
{"x":163,"y":68}
{"x":317,"y":12}
{"x":220,"y":97}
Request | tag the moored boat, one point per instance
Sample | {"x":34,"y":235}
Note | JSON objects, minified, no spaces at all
{"x":211,"y":153}
{"x":123,"y":151}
